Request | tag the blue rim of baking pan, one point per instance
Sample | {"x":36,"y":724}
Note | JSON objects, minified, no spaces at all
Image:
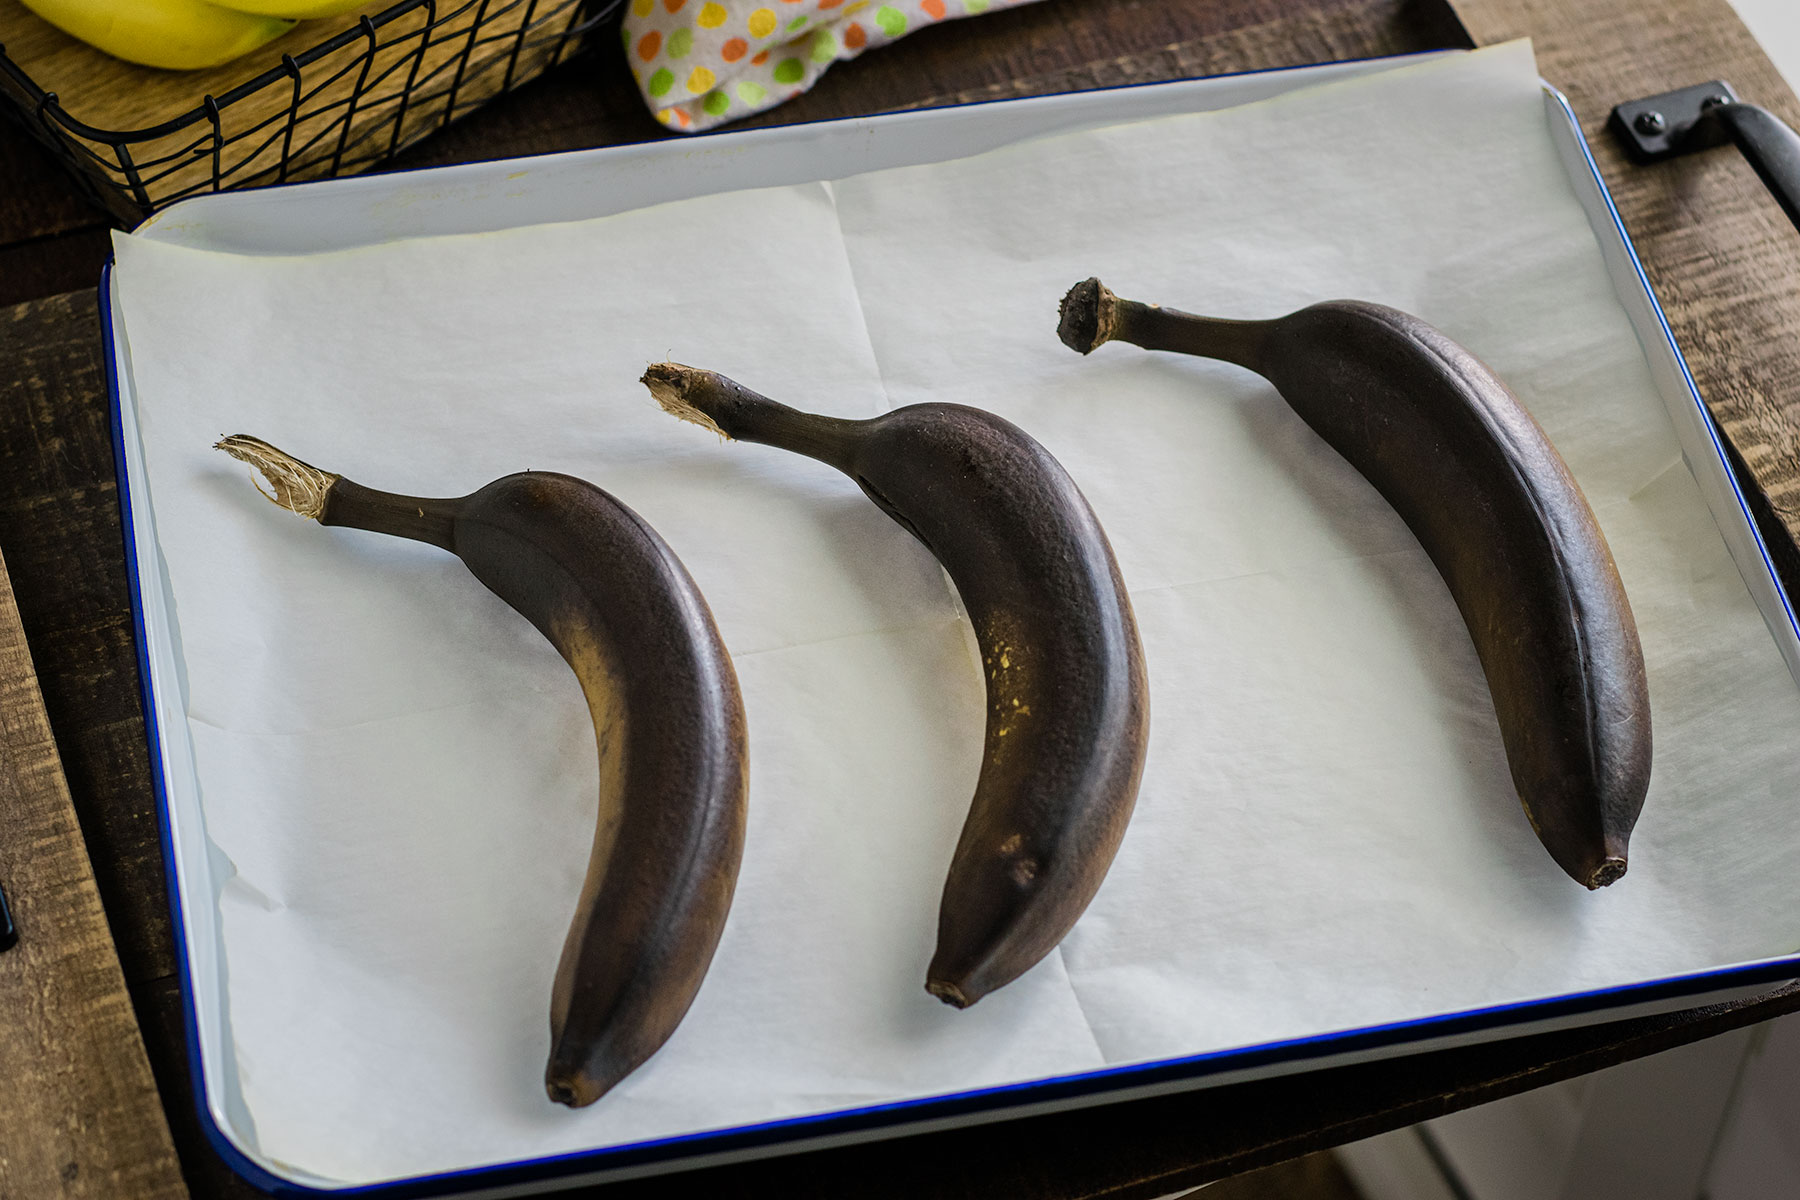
{"x":766,"y":1139}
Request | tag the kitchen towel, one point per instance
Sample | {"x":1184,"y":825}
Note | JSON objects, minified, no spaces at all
{"x":702,"y":62}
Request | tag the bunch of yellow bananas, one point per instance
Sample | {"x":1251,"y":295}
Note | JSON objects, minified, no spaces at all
{"x":183,"y":34}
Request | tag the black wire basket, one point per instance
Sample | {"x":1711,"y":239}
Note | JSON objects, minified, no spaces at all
{"x":332,"y":108}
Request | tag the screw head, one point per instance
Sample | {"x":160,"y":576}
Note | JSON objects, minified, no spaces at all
{"x":1649,"y":123}
{"x":1714,"y":102}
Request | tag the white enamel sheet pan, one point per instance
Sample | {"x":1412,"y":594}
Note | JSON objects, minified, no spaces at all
{"x":498,"y":196}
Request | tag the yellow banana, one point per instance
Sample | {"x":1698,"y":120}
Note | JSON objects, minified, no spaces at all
{"x":180,"y":35}
{"x":305,"y":10}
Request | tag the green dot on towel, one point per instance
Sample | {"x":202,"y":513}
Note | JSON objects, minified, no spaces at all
{"x":789,"y":70}
{"x":891,"y":20}
{"x":716,"y":103}
{"x":824,"y":46}
{"x":662,"y":81}
{"x":750,"y":93}
{"x":680,"y":42}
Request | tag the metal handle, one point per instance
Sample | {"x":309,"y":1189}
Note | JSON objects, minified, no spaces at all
{"x":1708,"y":115}
{"x":1771,"y":147}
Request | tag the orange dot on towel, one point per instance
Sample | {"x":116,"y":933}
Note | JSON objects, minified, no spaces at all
{"x":934,"y":7}
{"x":733,"y":50}
{"x":760,"y":59}
{"x":830,"y":3}
{"x":856,"y":37}
{"x":674,"y":5}
{"x":648,"y":45}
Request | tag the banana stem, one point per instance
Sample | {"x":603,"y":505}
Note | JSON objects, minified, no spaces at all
{"x":331,"y":499}
{"x":1092,"y":315}
{"x":730,"y":409}
{"x":297,"y":486}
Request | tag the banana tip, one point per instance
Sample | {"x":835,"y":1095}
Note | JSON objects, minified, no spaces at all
{"x":1086,"y":317}
{"x":950,"y":994}
{"x":575,"y":1093}
{"x":1609,"y":871}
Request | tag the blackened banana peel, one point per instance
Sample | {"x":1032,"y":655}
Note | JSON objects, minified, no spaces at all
{"x":1067,"y":701}
{"x":1496,"y":509}
{"x":623,"y":612}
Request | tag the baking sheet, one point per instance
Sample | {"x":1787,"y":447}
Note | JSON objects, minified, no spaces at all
{"x":1326,"y":839}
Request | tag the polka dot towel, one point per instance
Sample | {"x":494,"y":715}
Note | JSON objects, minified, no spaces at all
{"x":703,"y":62}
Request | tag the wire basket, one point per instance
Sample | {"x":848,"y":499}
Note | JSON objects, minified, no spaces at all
{"x":324,"y":109}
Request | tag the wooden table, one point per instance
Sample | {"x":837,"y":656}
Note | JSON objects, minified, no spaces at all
{"x":1729,"y":284}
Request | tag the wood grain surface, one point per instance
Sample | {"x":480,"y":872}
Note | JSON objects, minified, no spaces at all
{"x":59,"y":525}
{"x":81,"y":1115}
{"x":1721,"y":256}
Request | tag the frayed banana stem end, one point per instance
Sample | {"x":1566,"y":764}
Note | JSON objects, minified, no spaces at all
{"x":1089,"y":316}
{"x":297,"y":486}
{"x":669,"y":383}
{"x":731,"y":410}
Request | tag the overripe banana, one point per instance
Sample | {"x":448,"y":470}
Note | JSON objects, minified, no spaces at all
{"x":179,"y":35}
{"x":1495,"y":508}
{"x":620,"y":608}
{"x":1067,"y":705}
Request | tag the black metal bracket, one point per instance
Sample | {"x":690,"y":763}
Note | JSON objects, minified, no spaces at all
{"x":1659,"y":127}
{"x":9,"y":933}
{"x":1708,"y":115}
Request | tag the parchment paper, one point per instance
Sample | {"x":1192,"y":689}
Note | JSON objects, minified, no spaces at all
{"x":401,"y":771}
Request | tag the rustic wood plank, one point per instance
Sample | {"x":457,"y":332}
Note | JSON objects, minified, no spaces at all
{"x":59,"y":523}
{"x":60,"y":262}
{"x":1721,"y":256}
{"x":80,"y":1115}
{"x":39,"y":200}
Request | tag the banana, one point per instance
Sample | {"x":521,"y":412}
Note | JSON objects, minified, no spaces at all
{"x":304,"y":10}
{"x":1067,"y":705}
{"x":622,"y":611}
{"x":179,"y":35}
{"x":1495,"y":508}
